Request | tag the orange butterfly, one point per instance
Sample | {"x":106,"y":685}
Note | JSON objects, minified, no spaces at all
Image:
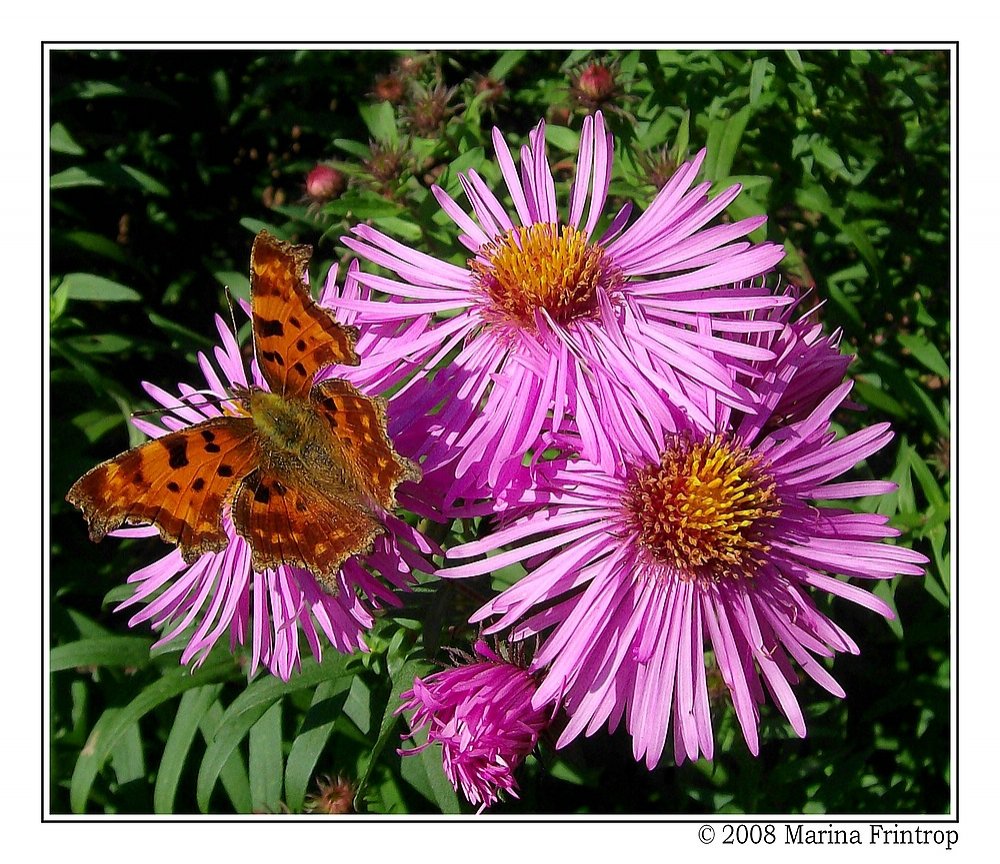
{"x":303,"y":469}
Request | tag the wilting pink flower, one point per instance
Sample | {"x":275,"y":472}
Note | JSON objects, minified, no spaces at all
{"x":698,"y":538}
{"x":220,"y":593}
{"x":551,"y":320}
{"x":483,"y":717}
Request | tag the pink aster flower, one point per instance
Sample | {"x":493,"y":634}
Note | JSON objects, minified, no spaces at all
{"x":698,"y":539}
{"x":220,"y":593}
{"x":482,"y":714}
{"x":552,"y":319}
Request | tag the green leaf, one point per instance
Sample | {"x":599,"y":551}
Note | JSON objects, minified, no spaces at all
{"x":127,"y":758}
{"x":115,"y":651}
{"x":92,"y":242}
{"x":563,"y":138}
{"x":106,"y":174}
{"x":401,"y":228}
{"x":255,"y":226}
{"x":115,"y":722}
{"x":757,"y":73}
{"x":327,"y":705}
{"x":354,"y":148}
{"x":87,"y":286}
{"x":237,"y":283}
{"x":362,"y":205}
{"x":505,"y":63}
{"x":233,"y":776}
{"x":380,"y":119}
{"x":266,"y":763}
{"x":100,"y":343}
{"x":402,"y":680}
{"x":192,"y":708}
{"x":925,"y":352}
{"x":249,"y":707}
{"x":179,"y":333}
{"x":60,"y":141}
{"x":728,"y":134}
{"x":795,"y":59}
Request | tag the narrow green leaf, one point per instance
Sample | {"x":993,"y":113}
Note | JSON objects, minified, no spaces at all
{"x":119,"y":651}
{"x":233,"y":775}
{"x":327,"y":705}
{"x":192,"y":708}
{"x":115,"y":722}
{"x":402,"y":680}
{"x":87,"y":286}
{"x":795,"y":59}
{"x":757,"y":73}
{"x":127,"y":758}
{"x":928,"y":482}
{"x":730,"y":143}
{"x":249,"y":707}
{"x":266,"y":764}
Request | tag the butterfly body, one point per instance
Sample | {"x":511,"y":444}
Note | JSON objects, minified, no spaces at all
{"x":304,"y":471}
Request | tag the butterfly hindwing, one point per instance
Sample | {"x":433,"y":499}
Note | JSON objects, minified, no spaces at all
{"x":295,"y":337}
{"x":179,"y":482}
{"x":285,"y":521}
{"x":358,"y":423}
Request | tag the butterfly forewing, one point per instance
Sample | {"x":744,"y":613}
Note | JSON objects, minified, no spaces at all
{"x":295,"y":337}
{"x":179,"y":482}
{"x":285,"y":521}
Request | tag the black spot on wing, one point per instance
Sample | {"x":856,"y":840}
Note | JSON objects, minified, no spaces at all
{"x":270,"y":327}
{"x":178,"y":453}
{"x":225,"y":471}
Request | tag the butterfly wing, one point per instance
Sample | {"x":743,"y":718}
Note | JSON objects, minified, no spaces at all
{"x":358,"y":423}
{"x":286,"y":521}
{"x":178,"y":482}
{"x":295,"y":337}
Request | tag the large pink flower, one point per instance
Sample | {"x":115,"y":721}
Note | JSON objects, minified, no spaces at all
{"x":220,"y":593}
{"x":697,"y":538}
{"x":553,"y":320}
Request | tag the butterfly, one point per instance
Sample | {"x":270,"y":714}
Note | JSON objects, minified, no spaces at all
{"x":303,"y":469}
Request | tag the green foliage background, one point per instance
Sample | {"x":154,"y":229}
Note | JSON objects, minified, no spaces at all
{"x":164,"y":165}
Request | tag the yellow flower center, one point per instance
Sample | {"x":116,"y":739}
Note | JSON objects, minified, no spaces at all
{"x":541,"y":267}
{"x":705,"y":510}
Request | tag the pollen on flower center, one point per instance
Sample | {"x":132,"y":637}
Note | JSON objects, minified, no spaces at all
{"x":705,"y":509}
{"x":541,"y":267}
